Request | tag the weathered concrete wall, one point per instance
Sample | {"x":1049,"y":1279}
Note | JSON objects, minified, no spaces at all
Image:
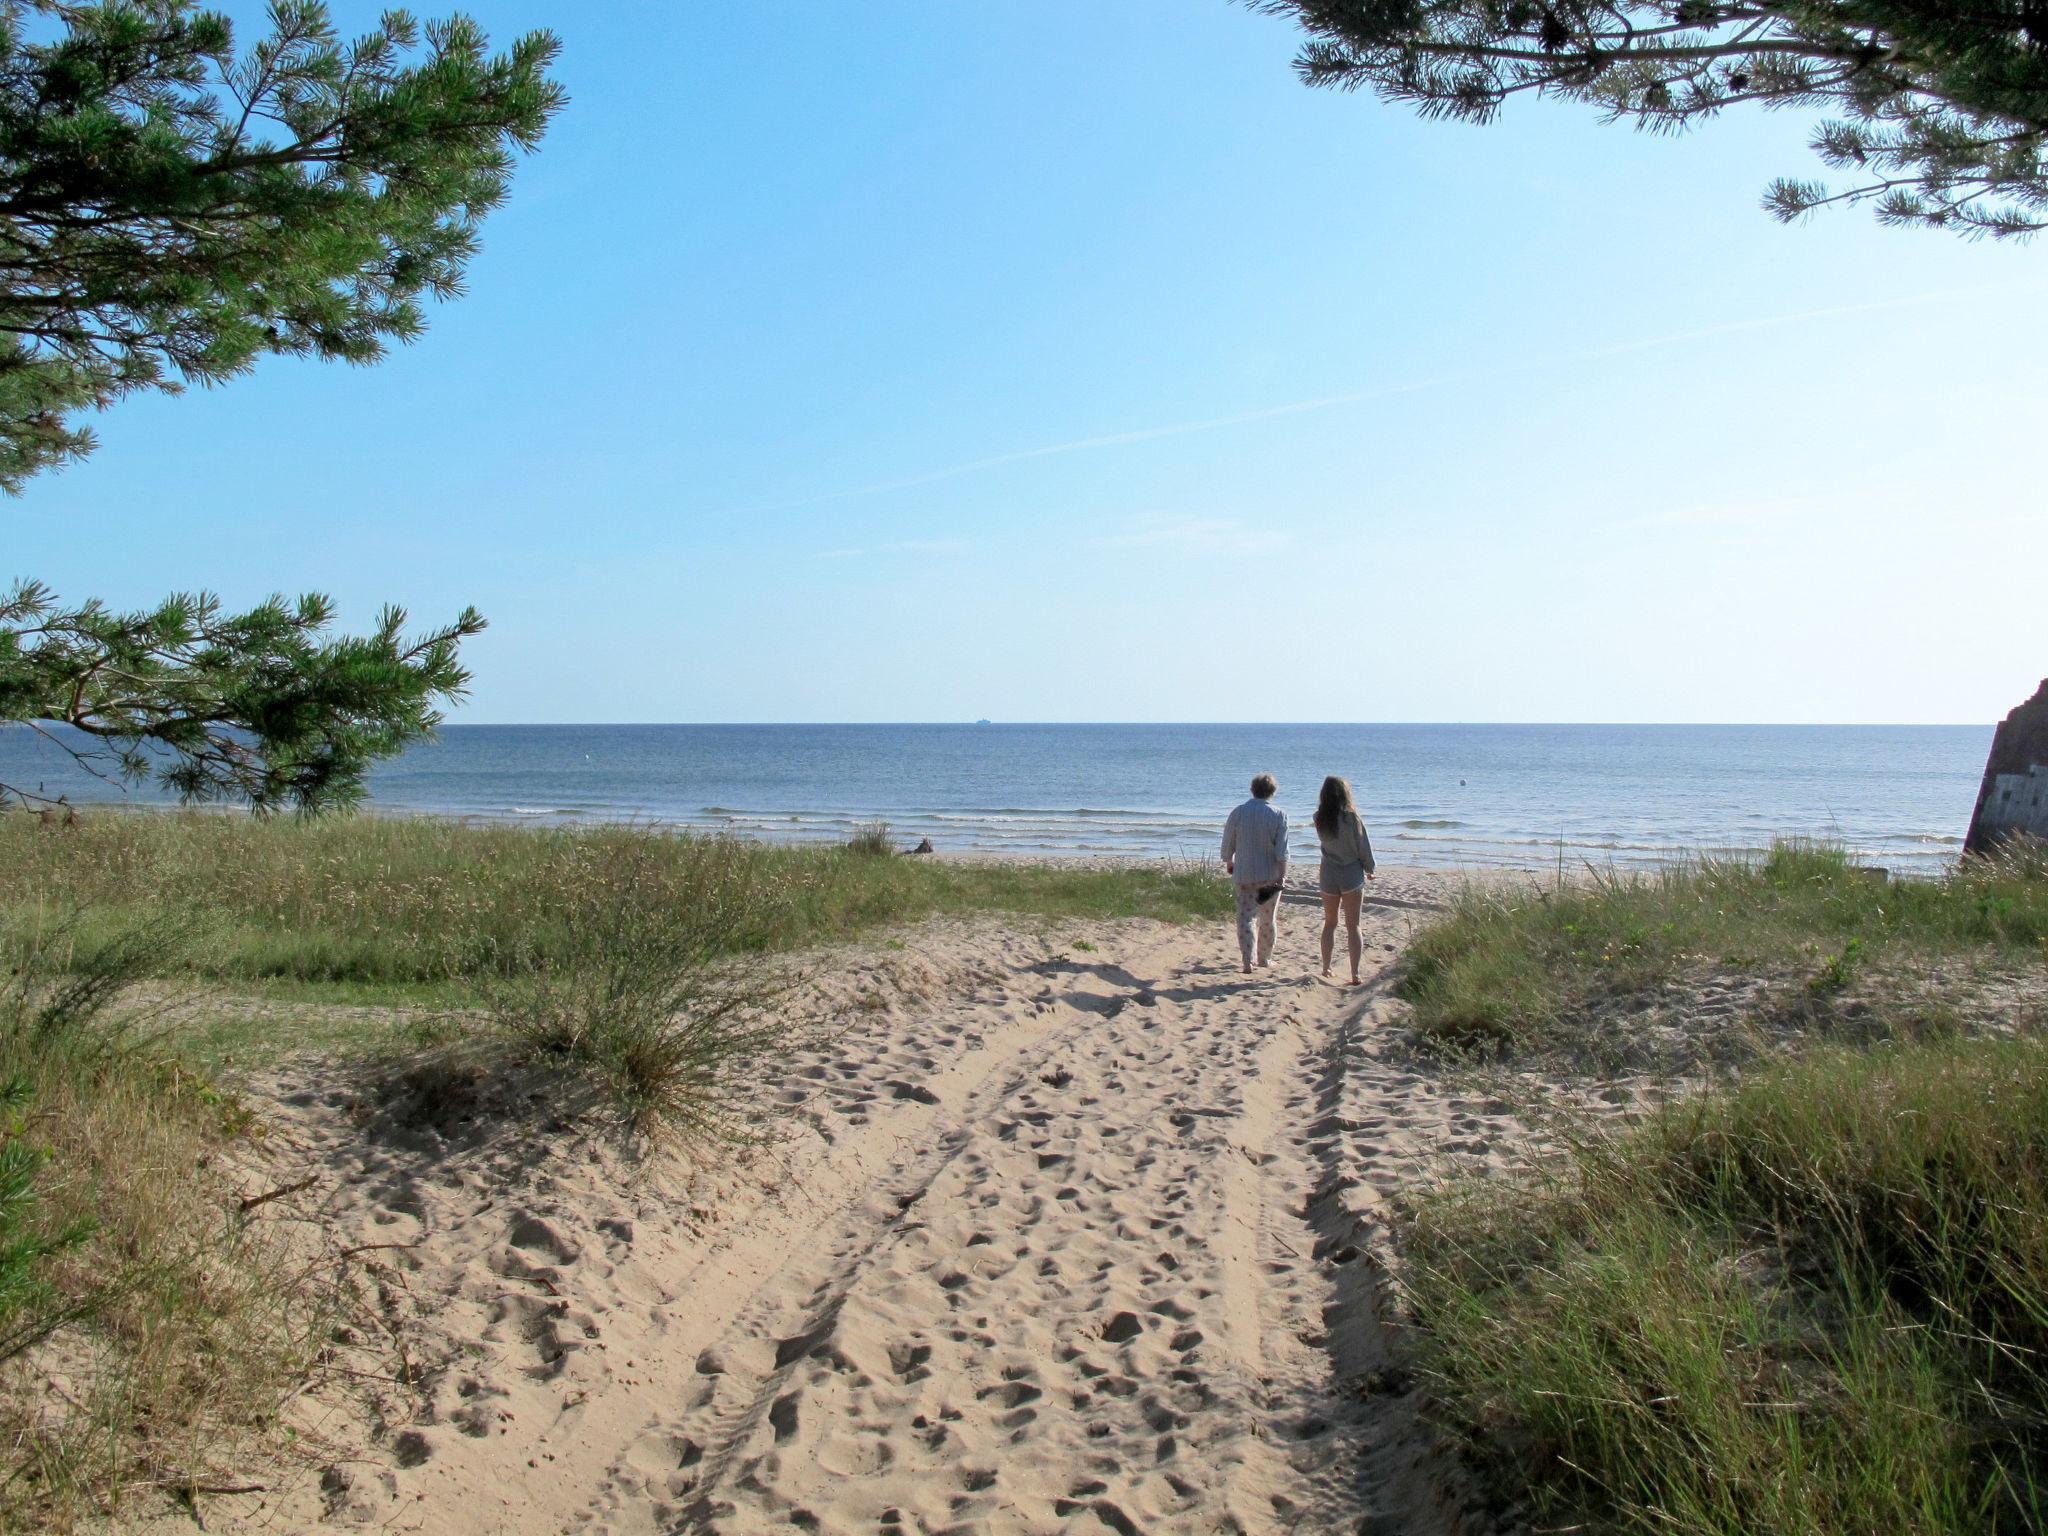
{"x":2015,"y":793}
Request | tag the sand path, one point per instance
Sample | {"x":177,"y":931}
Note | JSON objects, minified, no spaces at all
{"x":1082,"y":1247}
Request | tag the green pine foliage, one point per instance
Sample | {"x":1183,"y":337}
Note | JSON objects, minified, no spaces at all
{"x":261,"y":706}
{"x":173,"y":209}
{"x":1936,"y":114}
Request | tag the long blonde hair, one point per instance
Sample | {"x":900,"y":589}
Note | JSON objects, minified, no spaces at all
{"x":1334,"y":804}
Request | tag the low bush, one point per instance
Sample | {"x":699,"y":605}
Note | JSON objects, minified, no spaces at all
{"x":30,"y":1307}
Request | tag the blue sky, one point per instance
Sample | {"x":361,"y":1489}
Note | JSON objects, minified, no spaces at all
{"x":1071,"y":361}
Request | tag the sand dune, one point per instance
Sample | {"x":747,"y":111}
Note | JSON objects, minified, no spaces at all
{"x":1070,"y":1233}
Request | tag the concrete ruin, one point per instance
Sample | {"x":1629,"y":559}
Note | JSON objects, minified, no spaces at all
{"x":2014,"y":799}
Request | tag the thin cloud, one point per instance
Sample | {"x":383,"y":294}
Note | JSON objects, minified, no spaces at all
{"x":1200,"y":534}
{"x":1108,"y":440}
{"x":1363,"y":396}
{"x":1721,"y":514}
{"x":898,"y":547}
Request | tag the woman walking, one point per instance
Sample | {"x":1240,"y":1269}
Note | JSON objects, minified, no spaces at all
{"x":1347,"y":865}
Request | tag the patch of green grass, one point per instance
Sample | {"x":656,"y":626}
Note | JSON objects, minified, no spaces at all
{"x":228,"y":1037}
{"x":1815,"y":1304}
{"x":368,"y":902}
{"x":1506,"y":970}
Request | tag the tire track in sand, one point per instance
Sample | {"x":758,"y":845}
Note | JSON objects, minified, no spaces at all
{"x":1109,"y":1286}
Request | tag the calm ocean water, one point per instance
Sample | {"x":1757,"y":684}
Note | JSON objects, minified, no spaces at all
{"x":1432,"y":794}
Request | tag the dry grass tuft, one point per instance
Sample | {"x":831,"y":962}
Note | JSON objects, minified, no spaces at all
{"x":646,"y":999}
{"x":872,"y":839}
{"x":169,"y":1332}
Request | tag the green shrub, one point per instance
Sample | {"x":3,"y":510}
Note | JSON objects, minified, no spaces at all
{"x":30,"y":1308}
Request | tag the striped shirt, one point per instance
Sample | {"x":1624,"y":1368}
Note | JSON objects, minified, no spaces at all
{"x":1256,"y":837}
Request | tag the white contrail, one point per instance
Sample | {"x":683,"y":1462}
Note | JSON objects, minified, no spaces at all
{"x":1107,"y":440}
{"x":1360,"y":396}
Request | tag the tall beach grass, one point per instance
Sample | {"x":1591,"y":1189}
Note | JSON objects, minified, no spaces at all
{"x":1811,"y":1300}
{"x":1518,"y":969}
{"x":1812,"y":1304}
{"x":149,"y":1333}
{"x":397,"y":902}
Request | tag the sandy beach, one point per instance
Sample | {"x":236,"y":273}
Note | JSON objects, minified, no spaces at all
{"x":1067,"y":1229}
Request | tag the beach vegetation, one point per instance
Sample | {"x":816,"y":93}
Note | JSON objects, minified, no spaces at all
{"x":412,"y":910}
{"x":150,"y":1333}
{"x":1812,"y":1302}
{"x":27,"y":1313}
{"x":1936,"y":115}
{"x":872,"y":839}
{"x":1577,"y":967}
{"x":648,"y":999}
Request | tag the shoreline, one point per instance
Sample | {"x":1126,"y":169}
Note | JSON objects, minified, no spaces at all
{"x":1574,"y":859}
{"x":1433,"y":797}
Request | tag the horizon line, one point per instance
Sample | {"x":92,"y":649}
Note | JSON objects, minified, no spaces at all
{"x":569,"y":725}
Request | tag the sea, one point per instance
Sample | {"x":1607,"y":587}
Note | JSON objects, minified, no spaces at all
{"x":1522,"y":796}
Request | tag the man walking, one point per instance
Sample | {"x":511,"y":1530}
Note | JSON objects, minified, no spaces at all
{"x":1255,"y":856}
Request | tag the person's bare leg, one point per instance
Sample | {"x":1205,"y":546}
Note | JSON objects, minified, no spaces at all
{"x":1330,"y":899}
{"x":1352,"y":941}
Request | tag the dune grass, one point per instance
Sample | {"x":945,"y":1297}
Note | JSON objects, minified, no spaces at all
{"x":1510,"y":970}
{"x":368,"y":903}
{"x":148,"y":1332}
{"x":1814,"y":1304}
{"x":1812,"y":1300}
